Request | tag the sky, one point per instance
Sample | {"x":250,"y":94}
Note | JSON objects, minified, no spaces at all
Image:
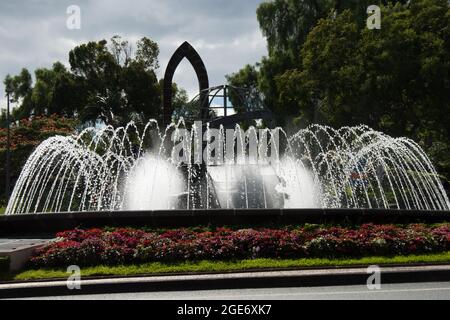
{"x":34,"y":33}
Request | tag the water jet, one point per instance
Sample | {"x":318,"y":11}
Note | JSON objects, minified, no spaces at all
{"x":133,"y":174}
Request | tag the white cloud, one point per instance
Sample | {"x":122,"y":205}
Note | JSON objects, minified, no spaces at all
{"x":225,"y":32}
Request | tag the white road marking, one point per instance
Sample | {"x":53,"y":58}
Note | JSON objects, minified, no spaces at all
{"x":320,"y":293}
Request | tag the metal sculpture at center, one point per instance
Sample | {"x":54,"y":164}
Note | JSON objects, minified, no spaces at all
{"x":237,"y":105}
{"x":188,"y":52}
{"x":227,"y":105}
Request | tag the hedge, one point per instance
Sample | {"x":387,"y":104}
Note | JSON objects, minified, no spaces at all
{"x":4,"y":264}
{"x":129,"y":246}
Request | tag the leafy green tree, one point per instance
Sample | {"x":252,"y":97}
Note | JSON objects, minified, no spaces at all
{"x":147,"y":54}
{"x":54,"y":92}
{"x":67,"y":96}
{"x":106,"y":82}
{"x":189,"y":110}
{"x":286,"y":25}
{"x":246,"y":78}
{"x":98,"y":71}
{"x":119,"y":86}
{"x":21,"y":88}
{"x":319,"y":89}
{"x":49,"y":86}
{"x":142,"y":93}
{"x":395,"y":79}
{"x":325,"y":66}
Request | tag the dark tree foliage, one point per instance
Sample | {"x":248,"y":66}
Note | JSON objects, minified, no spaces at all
{"x":106,"y":82}
{"x":246,"y":78}
{"x":117,"y":85}
{"x":286,"y":25}
{"x":26,"y":135}
{"x":325,"y":66}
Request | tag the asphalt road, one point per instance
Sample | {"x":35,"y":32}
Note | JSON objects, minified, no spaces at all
{"x":406,"y":291}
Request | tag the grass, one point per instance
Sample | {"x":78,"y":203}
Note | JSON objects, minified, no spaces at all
{"x":2,"y":210}
{"x":226,"y":266}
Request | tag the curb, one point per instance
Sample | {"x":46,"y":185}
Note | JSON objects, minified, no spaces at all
{"x":241,"y":280}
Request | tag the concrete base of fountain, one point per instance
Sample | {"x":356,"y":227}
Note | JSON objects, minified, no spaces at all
{"x":33,"y":224}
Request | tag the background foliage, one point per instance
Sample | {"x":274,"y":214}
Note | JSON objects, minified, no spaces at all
{"x":107,"y":82}
{"x":25,"y":136}
{"x":323,"y":66}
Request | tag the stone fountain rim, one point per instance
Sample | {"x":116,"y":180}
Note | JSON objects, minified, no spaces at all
{"x":47,"y":223}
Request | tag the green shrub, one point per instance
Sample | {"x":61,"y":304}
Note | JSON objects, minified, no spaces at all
{"x":4,"y":264}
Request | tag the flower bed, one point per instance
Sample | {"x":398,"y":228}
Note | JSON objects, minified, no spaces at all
{"x":126,"y":246}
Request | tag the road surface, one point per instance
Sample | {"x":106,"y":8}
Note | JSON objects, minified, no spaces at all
{"x":430,"y":290}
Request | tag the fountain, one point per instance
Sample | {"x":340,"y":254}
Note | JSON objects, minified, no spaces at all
{"x":319,"y":167}
{"x":209,"y":171}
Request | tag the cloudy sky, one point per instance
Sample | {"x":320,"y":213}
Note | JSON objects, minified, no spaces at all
{"x":33,"y":33}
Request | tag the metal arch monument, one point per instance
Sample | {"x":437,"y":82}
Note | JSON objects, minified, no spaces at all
{"x":207,"y":94}
{"x":188,"y":52}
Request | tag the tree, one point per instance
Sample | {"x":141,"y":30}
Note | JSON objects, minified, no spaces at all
{"x":325,"y":66}
{"x":183,"y":108}
{"x":286,"y":25}
{"x":147,"y":54}
{"x":395,"y":79}
{"x":246,"y":78}
{"x":327,"y":81}
{"x":50,"y":92}
{"x":119,"y":86}
{"x":107,"y":82}
{"x":21,"y":87}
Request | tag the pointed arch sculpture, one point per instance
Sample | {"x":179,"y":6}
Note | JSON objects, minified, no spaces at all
{"x":188,"y":52}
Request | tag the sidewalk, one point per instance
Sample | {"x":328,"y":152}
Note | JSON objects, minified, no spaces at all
{"x":19,"y":251}
{"x":240,"y":280}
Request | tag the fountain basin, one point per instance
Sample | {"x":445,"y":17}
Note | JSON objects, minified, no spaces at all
{"x":54,"y":222}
